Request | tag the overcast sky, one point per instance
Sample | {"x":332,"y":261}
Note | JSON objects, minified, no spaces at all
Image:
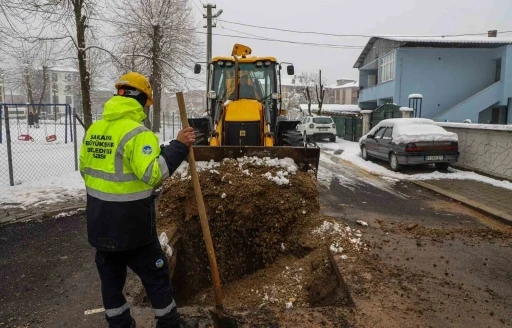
{"x":371,"y":17}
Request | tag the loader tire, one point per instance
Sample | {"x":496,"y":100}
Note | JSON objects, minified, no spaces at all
{"x":292,"y":138}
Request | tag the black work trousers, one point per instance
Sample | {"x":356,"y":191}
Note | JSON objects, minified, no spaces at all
{"x":150,"y":264}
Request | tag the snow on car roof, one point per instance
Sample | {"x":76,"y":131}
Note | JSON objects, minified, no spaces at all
{"x":407,"y":130}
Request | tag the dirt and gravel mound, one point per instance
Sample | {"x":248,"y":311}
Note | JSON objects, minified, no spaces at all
{"x":270,"y":241}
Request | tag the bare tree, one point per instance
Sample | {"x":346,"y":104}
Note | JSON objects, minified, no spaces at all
{"x":320,"y":92}
{"x":53,"y":19}
{"x":159,"y":39}
{"x":308,"y":98}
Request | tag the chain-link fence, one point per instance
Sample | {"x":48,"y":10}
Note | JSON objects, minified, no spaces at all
{"x":40,"y":141}
{"x":37,"y":141}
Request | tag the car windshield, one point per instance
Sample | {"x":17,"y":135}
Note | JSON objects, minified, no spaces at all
{"x":322,"y":120}
{"x":256,"y":80}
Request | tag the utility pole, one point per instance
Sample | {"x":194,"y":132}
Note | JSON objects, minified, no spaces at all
{"x":209,"y":25}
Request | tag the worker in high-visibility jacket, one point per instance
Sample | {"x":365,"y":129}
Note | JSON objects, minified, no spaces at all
{"x":122,"y":163}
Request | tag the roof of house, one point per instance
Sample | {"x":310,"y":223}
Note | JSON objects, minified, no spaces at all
{"x":437,"y":42}
{"x":354,"y":84}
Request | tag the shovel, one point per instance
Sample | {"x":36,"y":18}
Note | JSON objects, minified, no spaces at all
{"x":219,"y":317}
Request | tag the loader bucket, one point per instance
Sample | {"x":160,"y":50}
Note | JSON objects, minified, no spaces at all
{"x":306,"y":158}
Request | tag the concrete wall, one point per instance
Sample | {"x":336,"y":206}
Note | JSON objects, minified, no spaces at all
{"x":484,"y":148}
{"x":445,"y":77}
{"x":471,"y":107}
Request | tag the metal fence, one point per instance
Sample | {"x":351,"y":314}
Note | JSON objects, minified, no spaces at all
{"x":32,"y":148}
{"x":37,"y":141}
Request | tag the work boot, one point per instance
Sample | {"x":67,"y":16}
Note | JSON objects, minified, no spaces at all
{"x":191,"y":323}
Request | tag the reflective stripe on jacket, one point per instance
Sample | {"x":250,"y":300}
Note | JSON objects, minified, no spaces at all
{"x":121,"y":165}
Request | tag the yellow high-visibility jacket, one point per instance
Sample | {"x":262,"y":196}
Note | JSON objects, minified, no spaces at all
{"x":121,"y":163}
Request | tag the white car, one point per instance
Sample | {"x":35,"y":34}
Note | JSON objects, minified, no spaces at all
{"x":317,"y":127}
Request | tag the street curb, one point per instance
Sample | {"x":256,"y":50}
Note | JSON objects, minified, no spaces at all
{"x":19,"y":215}
{"x":62,"y":210}
{"x":503,"y":217}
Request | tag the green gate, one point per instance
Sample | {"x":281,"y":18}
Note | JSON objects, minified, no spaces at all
{"x":348,"y":127}
{"x":353,"y":128}
{"x":384,"y":112}
{"x":340,"y":125}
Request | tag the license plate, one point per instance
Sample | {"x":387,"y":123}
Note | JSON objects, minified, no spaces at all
{"x":434,"y":158}
{"x":324,"y":129}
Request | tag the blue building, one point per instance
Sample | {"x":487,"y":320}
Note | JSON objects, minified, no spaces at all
{"x":459,"y":77}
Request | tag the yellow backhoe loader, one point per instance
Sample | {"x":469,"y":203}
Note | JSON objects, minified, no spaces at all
{"x":244,"y":113}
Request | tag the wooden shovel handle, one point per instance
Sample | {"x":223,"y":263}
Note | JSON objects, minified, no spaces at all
{"x":202,"y":211}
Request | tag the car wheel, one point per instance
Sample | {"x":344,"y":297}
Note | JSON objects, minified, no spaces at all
{"x":442,"y":166}
{"x":332,"y":139}
{"x":393,"y":162}
{"x":364,"y":153}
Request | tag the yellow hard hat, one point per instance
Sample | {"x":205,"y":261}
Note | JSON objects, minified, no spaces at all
{"x":139,"y":82}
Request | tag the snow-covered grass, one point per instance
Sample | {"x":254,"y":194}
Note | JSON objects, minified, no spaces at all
{"x":352,"y":153}
{"x":44,"y":172}
{"x":49,"y":190}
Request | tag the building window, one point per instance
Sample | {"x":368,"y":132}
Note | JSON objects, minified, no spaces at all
{"x":387,"y":68}
{"x":67,"y":89}
{"x":55,"y":87}
{"x":497,"y":76}
{"x":68,"y":77}
{"x":69,"y":100}
{"x":55,"y":77}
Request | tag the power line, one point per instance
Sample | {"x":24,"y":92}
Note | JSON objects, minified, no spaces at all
{"x":198,"y":7}
{"x":350,"y":35}
{"x":287,"y":41}
{"x":338,"y":46}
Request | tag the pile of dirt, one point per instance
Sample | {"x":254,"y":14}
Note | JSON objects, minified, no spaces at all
{"x":271,"y":244}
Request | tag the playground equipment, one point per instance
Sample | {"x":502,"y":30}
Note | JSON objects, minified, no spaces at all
{"x":22,"y":110}
{"x":22,"y":137}
{"x":51,"y":137}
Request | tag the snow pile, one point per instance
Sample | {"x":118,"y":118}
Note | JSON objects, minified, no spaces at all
{"x":164,"y":242}
{"x":407,"y":130}
{"x":421,"y":132}
{"x":340,"y":235}
{"x":497,"y":127}
{"x":352,"y":153}
{"x":51,"y":190}
{"x":280,"y":178}
{"x":242,"y":163}
{"x":286,"y":163}
{"x":67,"y":214}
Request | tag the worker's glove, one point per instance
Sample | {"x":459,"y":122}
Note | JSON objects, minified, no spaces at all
{"x":174,"y":154}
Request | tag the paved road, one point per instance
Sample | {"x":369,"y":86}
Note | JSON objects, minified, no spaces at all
{"x":451,"y":270}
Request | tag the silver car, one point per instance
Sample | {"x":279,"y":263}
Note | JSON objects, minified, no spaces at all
{"x":410,"y":142}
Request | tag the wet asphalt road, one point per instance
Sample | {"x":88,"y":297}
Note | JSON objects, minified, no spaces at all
{"x":49,"y":278}
{"x":461,"y":278}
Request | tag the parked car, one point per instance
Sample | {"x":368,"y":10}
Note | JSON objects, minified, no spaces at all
{"x":318,"y":127}
{"x":410,"y":141}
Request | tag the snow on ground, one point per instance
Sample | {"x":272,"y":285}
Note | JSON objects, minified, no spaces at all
{"x":44,"y":172}
{"x":50,"y":190}
{"x":352,"y":153}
